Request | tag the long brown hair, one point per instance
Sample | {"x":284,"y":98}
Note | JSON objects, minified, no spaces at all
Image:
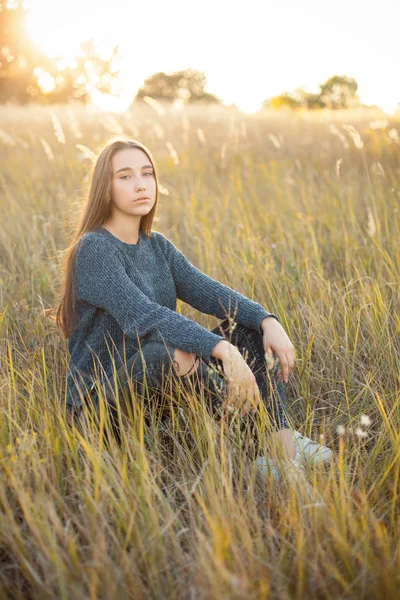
{"x":95,"y":211}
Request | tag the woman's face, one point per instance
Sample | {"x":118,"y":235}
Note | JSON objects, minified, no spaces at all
{"x":132,"y":178}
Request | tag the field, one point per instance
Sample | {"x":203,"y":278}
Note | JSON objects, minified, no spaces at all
{"x":299,"y":212}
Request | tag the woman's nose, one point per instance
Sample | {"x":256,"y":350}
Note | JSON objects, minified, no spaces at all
{"x":140,"y":184}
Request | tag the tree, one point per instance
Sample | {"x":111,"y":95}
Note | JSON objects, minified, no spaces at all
{"x":27,"y":74}
{"x":338,"y":92}
{"x":187,"y":85}
{"x":313,"y":102}
{"x":18,"y":56}
{"x":284,"y":100}
{"x":89,"y":72}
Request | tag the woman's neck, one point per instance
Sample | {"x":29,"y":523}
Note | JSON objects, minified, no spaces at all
{"x":125,"y":234}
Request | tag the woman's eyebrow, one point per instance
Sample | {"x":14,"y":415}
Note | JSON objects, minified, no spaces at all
{"x":130,"y":168}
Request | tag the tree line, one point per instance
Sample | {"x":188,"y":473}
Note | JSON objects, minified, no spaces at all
{"x":28,"y":74}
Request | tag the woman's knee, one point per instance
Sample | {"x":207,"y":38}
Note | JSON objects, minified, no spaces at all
{"x":248,"y":341}
{"x":183,"y":363}
{"x":232,"y":331}
{"x":250,"y":344}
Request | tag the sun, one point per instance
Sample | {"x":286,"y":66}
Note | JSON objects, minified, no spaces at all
{"x":58,"y":32}
{"x":44,"y":31}
{"x":59,"y":28}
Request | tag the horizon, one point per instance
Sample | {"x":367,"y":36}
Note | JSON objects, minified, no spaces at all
{"x":234,"y":73}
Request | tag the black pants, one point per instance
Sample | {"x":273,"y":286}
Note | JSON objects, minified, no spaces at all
{"x":147,"y":369}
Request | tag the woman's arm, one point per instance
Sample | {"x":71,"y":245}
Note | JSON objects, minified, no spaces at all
{"x":207,"y":294}
{"x":101,"y":280}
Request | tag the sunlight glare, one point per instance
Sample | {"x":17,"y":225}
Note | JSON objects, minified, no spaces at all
{"x":46,"y":82}
{"x":110,"y":103}
{"x":244,"y":74}
{"x":58,"y":28}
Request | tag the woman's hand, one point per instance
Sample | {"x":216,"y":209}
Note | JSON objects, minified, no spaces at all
{"x":275,"y":339}
{"x":243,"y":391}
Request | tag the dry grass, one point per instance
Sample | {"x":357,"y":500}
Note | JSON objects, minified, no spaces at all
{"x":297,"y":212}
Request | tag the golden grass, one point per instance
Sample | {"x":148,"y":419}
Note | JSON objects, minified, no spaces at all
{"x":300,"y":213}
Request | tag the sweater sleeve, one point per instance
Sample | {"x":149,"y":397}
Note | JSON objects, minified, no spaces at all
{"x":209,"y":295}
{"x":101,"y":280}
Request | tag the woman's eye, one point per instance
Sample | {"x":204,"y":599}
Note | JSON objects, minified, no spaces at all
{"x":124,"y":176}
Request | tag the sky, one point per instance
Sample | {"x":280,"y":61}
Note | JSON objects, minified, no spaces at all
{"x":248,"y":50}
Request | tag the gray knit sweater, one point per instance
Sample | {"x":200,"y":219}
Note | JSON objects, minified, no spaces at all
{"x":128,"y":292}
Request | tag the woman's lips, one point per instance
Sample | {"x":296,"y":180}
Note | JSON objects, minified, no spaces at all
{"x":142,"y":200}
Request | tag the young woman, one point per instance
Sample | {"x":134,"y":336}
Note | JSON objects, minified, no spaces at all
{"x":118,"y":308}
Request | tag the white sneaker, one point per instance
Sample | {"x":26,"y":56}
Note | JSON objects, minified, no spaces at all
{"x":294,"y":471}
{"x":270,"y":466}
{"x":307,"y":450}
{"x":296,"y":478}
{"x":291,"y":472}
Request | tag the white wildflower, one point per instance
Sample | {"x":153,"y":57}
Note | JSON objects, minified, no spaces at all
{"x":86,"y":153}
{"x":365,"y":420}
{"x":58,"y":130}
{"x":335,"y":131}
{"x":341,"y":429}
{"x":74,"y":124}
{"x":371,"y":225}
{"x":223,"y":153}
{"x":158,"y":130}
{"x":360,"y":432}
{"x":379,"y":124}
{"x":201,"y":136}
{"x":47,"y":149}
{"x":6,"y":138}
{"x":355,"y":136}
{"x":173,"y":153}
{"x":163,"y":190}
{"x":159,"y":109}
{"x":22,"y":143}
{"x":377,"y":168}
{"x":274,"y":141}
{"x":394,"y":136}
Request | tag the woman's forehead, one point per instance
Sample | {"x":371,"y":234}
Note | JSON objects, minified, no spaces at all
{"x":130,"y":157}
